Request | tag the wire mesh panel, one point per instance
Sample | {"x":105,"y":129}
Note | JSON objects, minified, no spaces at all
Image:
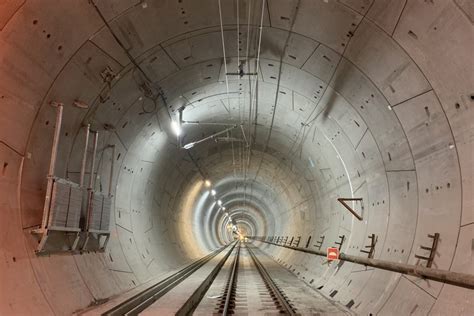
{"x":59,"y":204}
{"x":95,"y":211}
{"x":75,"y":206}
{"x":65,"y":207}
{"x":106,"y":208}
{"x":99,"y":212}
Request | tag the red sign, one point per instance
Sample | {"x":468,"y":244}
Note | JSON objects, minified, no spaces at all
{"x":332,"y":253}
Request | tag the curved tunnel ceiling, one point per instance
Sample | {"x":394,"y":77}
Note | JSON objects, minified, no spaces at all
{"x":354,"y":98}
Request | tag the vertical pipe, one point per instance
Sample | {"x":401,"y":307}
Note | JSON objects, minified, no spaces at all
{"x":52,"y":164}
{"x":90,"y":188}
{"x":84,"y":156}
{"x":91,"y":178}
{"x":111,"y":170}
{"x":57,"y":133}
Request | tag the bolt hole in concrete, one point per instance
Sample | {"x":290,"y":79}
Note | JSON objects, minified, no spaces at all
{"x":4,"y":169}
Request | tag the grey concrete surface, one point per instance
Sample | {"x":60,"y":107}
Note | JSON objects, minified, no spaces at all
{"x":363,"y":98}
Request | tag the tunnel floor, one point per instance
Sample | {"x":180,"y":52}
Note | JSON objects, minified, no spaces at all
{"x":239,"y":279}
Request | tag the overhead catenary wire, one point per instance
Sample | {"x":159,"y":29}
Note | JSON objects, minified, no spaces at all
{"x":253,"y":96}
{"x":226,"y":72}
{"x":277,"y":92}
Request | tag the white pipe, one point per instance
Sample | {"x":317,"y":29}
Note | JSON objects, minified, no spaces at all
{"x":111,"y":170}
{"x":84,"y":156}
{"x":57,"y":133}
{"x":52,"y":163}
{"x":91,"y":175}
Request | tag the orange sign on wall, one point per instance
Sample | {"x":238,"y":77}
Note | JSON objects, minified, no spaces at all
{"x":332,"y":253}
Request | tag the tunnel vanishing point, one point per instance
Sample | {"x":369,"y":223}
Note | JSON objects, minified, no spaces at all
{"x":239,"y":140}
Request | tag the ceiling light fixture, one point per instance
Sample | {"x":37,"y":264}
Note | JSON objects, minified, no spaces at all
{"x":188,"y":146}
{"x":213,"y":136}
{"x":207,"y":183}
{"x":219,"y":202}
{"x":176,"y":128}
{"x":213,"y":192}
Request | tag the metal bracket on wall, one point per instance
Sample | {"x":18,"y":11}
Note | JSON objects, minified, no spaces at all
{"x":307,"y":243}
{"x":286,"y":239}
{"x":432,"y":249}
{"x":341,"y":238}
{"x":350,"y":209}
{"x":319,"y":243}
{"x":291,"y":241}
{"x":297,"y":241}
{"x":373,"y":242}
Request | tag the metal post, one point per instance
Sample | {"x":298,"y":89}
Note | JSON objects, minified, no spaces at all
{"x":91,"y":175}
{"x":90,"y":189}
{"x":343,"y":202}
{"x":52,"y":163}
{"x":84,"y":156}
{"x":111,"y":170}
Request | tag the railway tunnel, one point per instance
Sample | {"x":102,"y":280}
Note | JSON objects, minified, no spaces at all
{"x":224,"y":145}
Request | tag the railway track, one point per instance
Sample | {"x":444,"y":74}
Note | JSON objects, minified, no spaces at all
{"x":280,"y":300}
{"x":230,"y":291}
{"x":139,"y":302}
{"x":231,"y":280}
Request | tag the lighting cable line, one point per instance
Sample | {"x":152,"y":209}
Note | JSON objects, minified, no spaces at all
{"x":147,"y":86}
{"x":223,"y":54}
{"x":225,"y":69}
{"x":253,"y":97}
{"x":247,"y":50}
{"x":149,"y":83}
{"x":277,"y":92}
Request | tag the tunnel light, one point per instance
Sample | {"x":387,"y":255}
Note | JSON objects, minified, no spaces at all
{"x":176,"y":128}
{"x":213,"y":192}
{"x":207,"y":183}
{"x":188,"y":146}
{"x":219,"y":202}
{"x":223,"y":208}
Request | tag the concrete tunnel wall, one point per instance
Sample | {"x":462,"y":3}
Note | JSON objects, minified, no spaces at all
{"x":375,"y":99}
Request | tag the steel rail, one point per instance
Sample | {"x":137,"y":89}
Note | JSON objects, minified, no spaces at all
{"x":449,"y":277}
{"x":142,"y":300}
{"x":193,"y":301}
{"x":284,"y":304}
{"x":232,"y":282}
